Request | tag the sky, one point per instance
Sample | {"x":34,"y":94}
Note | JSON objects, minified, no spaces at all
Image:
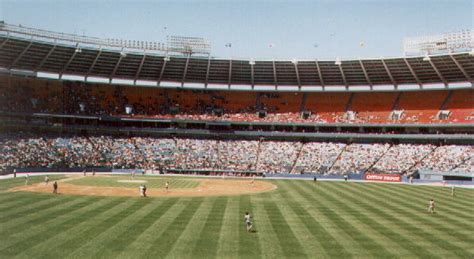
{"x":296,"y":29}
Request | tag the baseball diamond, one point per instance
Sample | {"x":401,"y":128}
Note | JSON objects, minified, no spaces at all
{"x":297,"y":219}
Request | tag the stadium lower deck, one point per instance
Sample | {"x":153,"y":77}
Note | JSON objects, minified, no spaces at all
{"x":27,"y":150}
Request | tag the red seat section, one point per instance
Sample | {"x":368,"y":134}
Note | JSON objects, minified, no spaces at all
{"x":69,"y":97}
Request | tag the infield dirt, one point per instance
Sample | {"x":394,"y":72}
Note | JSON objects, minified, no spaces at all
{"x":206,"y":187}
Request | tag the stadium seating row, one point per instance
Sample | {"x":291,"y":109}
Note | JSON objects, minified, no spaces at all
{"x":27,"y":150}
{"x":67,"y":97}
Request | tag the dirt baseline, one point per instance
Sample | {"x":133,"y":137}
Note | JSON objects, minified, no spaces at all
{"x":207,"y":187}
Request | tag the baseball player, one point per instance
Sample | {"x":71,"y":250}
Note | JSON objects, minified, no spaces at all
{"x":248,"y":222}
{"x":453,"y":191}
{"x":46,"y":180}
{"x":167,"y":185}
{"x":55,"y":187}
{"x":431,"y":206}
{"x":27,"y":179}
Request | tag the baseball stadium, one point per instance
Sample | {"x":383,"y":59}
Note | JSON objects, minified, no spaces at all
{"x":173,"y":147}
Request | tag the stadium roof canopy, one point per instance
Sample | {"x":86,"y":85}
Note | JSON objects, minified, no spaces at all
{"x":24,"y":51}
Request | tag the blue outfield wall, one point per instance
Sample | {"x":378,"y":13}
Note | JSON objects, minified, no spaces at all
{"x":319,"y":176}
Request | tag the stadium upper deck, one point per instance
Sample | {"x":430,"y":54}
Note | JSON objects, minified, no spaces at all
{"x":39,"y":52}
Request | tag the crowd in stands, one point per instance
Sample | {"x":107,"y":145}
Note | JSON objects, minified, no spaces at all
{"x":77,"y":98}
{"x":443,"y":157}
{"x":27,"y":150}
{"x":358,"y":158}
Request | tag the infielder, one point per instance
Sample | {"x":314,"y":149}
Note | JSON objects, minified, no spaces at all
{"x":55,"y":187}
{"x":142,"y":190}
{"x":46,"y":180}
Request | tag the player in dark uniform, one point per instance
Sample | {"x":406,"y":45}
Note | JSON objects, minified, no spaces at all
{"x":55,"y":187}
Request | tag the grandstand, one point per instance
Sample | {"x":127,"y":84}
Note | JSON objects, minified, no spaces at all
{"x":323,"y":106}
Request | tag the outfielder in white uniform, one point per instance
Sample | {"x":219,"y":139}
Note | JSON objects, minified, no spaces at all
{"x":248,"y":221}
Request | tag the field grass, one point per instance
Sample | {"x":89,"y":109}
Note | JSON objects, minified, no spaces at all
{"x":151,"y":182}
{"x":300,"y":219}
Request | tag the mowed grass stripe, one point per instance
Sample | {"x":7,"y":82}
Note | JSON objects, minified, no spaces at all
{"x":146,"y":240}
{"x":415,"y":192}
{"x":310,"y":246}
{"x":377,"y":219}
{"x":118,"y":244}
{"x":17,"y":207}
{"x":433,"y":223}
{"x":371,"y":238}
{"x":191,"y":234}
{"x":43,"y":214}
{"x":367,"y":246}
{"x":228,"y":244}
{"x":452,"y":204}
{"x":457,"y":216}
{"x":70,"y":217}
{"x":286,"y":238}
{"x":327,"y":244}
{"x":206,"y":245}
{"x":438,"y":193}
{"x":356,"y":221}
{"x":138,"y":228}
{"x":164,"y":243}
{"x":249,"y":245}
{"x":426,"y":233}
{"x":335,"y":240}
{"x":6,"y":197}
{"x":67,"y":242}
{"x":262,"y":228}
{"x":31,"y":205}
{"x":102,"y":244}
{"x":97,"y":245}
{"x":53,"y":239}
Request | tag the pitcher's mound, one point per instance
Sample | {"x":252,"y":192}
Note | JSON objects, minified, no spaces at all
{"x":207,"y":187}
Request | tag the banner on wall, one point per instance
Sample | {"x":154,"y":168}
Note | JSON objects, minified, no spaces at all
{"x":383,"y":177}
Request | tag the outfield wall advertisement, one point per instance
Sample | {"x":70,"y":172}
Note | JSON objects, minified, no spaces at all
{"x":383,"y":177}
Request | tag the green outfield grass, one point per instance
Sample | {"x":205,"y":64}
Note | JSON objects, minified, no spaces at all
{"x":151,"y":181}
{"x":301,"y":219}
